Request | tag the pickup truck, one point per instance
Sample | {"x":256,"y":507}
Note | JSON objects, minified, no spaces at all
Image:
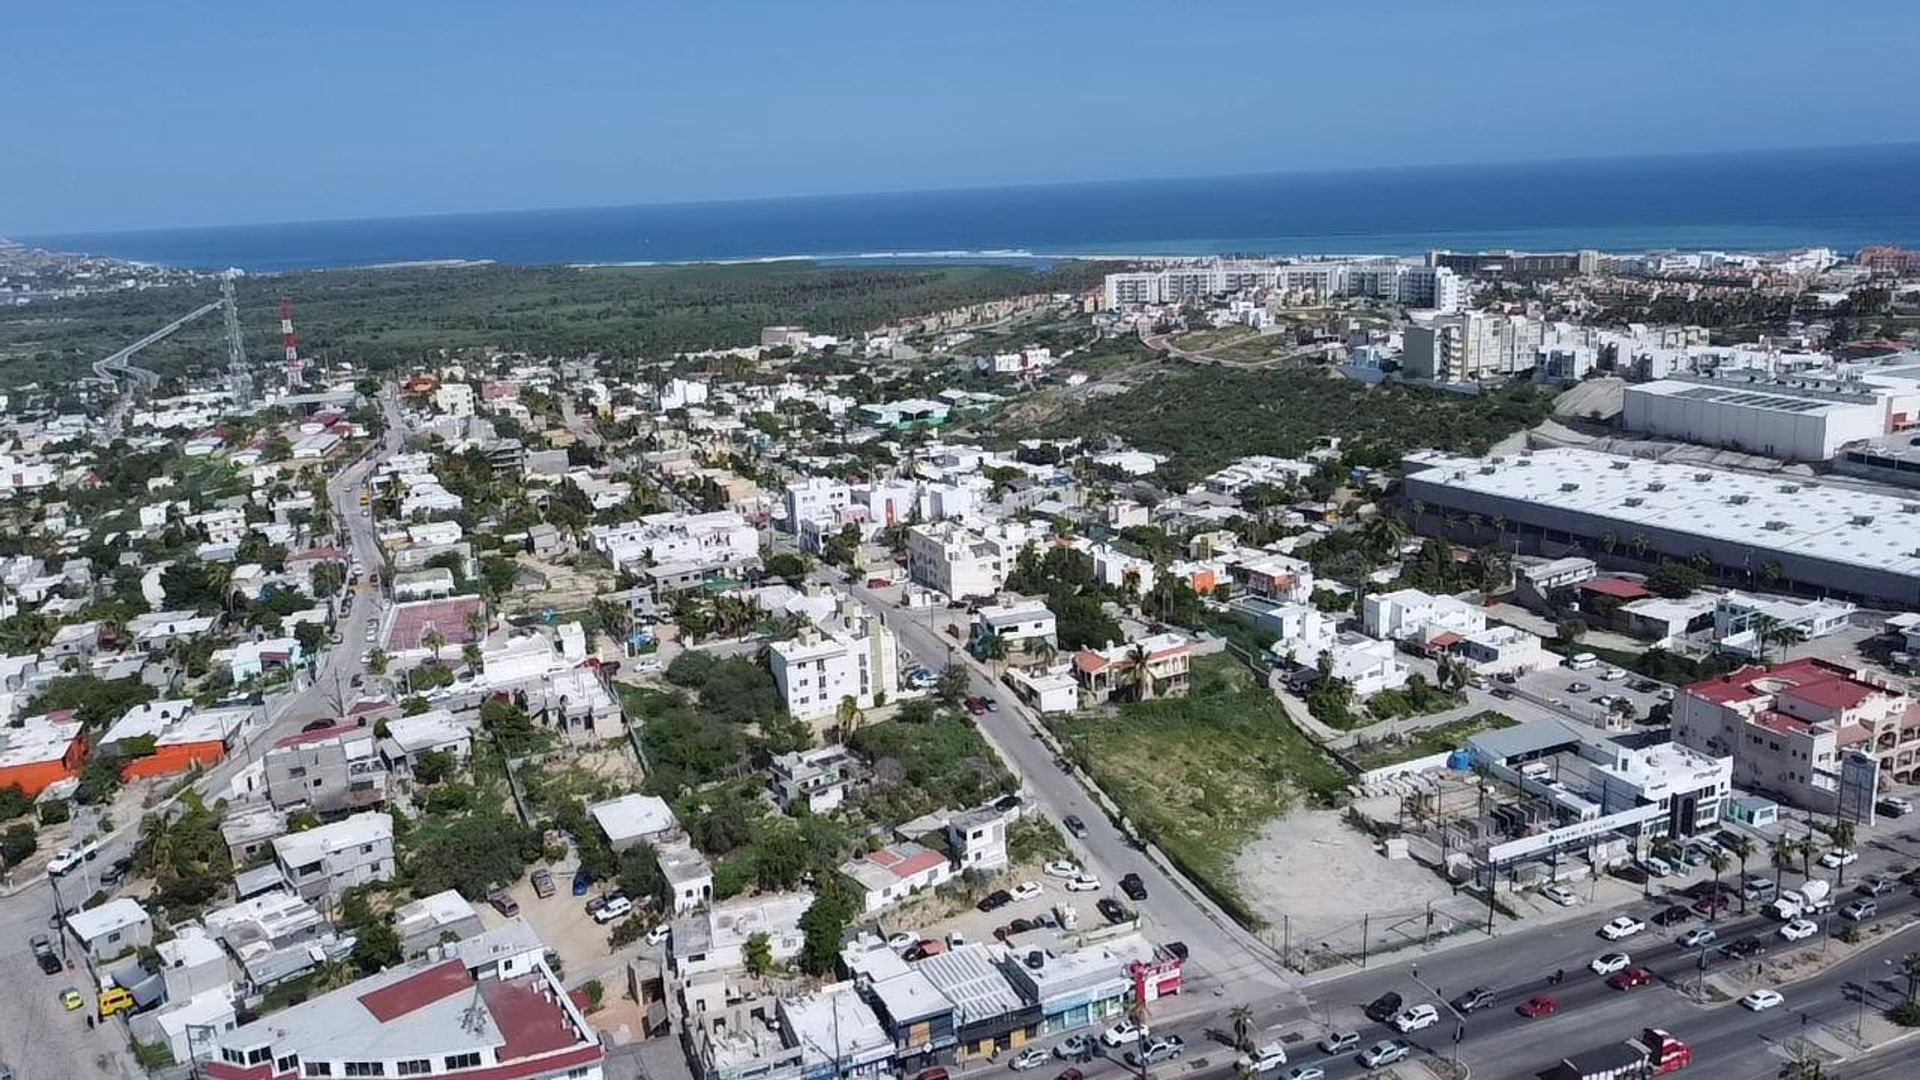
{"x":44,"y":955}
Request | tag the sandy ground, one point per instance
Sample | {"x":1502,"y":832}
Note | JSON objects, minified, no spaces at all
{"x":1313,"y":878}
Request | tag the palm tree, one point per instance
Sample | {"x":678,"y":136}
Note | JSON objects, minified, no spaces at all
{"x":434,"y":641}
{"x":377,"y":661}
{"x":1242,"y":1018}
{"x":470,"y":655}
{"x":1042,"y":651}
{"x":1785,"y":850}
{"x":993,"y":647}
{"x":1910,"y":967}
{"x":477,"y":623}
{"x":1139,"y":674}
{"x":849,"y":715}
{"x":1719,"y":863}
{"x":1842,"y":833}
{"x":1742,"y":848}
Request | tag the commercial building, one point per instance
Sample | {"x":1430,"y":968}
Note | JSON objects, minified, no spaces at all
{"x":1835,"y":541}
{"x":494,"y":1011}
{"x":1789,"y":726}
{"x":1795,"y":418}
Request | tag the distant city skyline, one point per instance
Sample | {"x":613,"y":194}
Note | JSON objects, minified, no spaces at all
{"x":123,"y":116}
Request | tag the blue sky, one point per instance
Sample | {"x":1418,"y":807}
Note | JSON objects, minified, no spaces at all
{"x":124,"y":115}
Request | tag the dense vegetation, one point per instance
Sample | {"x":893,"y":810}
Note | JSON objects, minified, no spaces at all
{"x":398,"y":316}
{"x":1206,"y":417}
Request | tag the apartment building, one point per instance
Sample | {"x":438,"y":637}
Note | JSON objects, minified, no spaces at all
{"x":1024,"y":627}
{"x":1788,"y":726}
{"x":853,"y":655}
{"x":721,"y":536}
{"x":950,"y":558}
{"x":1472,"y":346}
{"x":329,"y":771}
{"x":330,"y":859}
{"x":1414,"y":615}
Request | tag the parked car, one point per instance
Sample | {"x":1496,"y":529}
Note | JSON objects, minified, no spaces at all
{"x":1114,"y":911}
{"x":1135,"y":889}
{"x":1672,"y":916}
{"x":543,"y":883}
{"x":1539,"y":1005}
{"x":1031,"y":1058}
{"x":1836,"y":858}
{"x":1742,"y":949}
{"x":44,"y":955}
{"x":116,"y":1000}
{"x":977,"y":706}
{"x":659,"y":934}
{"x":1579,"y":686}
{"x":1474,"y":1000}
{"x":1026,"y":890}
{"x":1084,"y":883}
{"x":1860,"y":910}
{"x":1657,"y":866}
{"x":1060,"y":868}
{"x":1895,"y":806}
{"x":1262,"y":1059}
{"x":1122,"y":1033}
{"x":1157,"y":1050}
{"x":1762,"y":1000}
{"x":504,"y":903}
{"x":899,"y":939}
{"x":615,"y":907}
{"x":1074,"y":825}
{"x":1874,"y":887}
{"x":1383,"y":1008}
{"x":1074,"y":1046}
{"x":1560,"y":894}
{"x":995,"y":900}
{"x":1298,"y":1072}
{"x":582,"y":881}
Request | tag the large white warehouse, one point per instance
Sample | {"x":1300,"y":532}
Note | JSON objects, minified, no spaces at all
{"x":1792,"y":418}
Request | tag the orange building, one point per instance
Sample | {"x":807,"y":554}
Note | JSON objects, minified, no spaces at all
{"x":198,"y":738}
{"x":41,"y":752}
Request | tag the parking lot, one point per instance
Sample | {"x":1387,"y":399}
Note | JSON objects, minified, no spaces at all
{"x":1593,"y":694}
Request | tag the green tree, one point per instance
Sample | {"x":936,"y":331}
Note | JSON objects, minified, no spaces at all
{"x":952,"y":685}
{"x":824,"y":925}
{"x":759,"y":954}
{"x":640,"y":876}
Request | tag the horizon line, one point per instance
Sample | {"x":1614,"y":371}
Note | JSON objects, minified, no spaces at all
{"x":34,"y":238}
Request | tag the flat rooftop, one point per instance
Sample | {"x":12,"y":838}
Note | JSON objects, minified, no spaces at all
{"x":1837,"y":524}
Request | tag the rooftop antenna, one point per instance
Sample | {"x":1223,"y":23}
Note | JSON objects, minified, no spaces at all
{"x":295,"y":365}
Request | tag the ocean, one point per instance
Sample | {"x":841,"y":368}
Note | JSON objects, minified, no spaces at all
{"x":1759,"y":201}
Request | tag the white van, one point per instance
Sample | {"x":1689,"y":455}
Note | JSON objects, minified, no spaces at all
{"x":1069,"y":917}
{"x":1582,"y":661}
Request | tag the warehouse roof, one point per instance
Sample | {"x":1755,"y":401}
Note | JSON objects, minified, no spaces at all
{"x":1823,"y":521}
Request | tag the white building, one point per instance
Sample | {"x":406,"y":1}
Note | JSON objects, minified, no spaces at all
{"x":721,"y":536}
{"x":852,"y":655}
{"x":895,"y":872}
{"x":1472,"y":346}
{"x":952,"y":559}
{"x":330,"y":859}
{"x":1024,"y":626}
{"x":1413,"y":615}
{"x":634,"y":819}
{"x":1751,"y":625}
{"x":1795,"y":418}
{"x":454,"y":399}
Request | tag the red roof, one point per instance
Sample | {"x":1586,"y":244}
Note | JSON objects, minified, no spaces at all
{"x":1089,"y":662}
{"x":395,"y":1000}
{"x":412,"y":622}
{"x":1618,"y":588}
{"x":902,"y":865}
{"x":1838,"y":693}
{"x":1818,"y":683}
{"x":1445,"y":639}
{"x":528,"y":1020}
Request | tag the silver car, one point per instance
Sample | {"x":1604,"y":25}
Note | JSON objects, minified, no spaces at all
{"x":1384,"y":1053}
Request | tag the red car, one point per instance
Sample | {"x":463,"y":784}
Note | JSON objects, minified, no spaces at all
{"x":1631,"y":978}
{"x":878,"y":583}
{"x":1543,"y":1005}
{"x":977,"y":706}
{"x":1711,"y":905}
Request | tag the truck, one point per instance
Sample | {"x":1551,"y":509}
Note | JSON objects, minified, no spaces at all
{"x":1654,"y":1053}
{"x":1810,"y":899}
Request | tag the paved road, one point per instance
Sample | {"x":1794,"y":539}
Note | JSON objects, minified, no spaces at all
{"x":1230,"y":961}
{"x":39,"y":1039}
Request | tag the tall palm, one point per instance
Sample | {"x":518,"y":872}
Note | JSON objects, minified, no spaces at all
{"x":1843,"y":836}
{"x":1719,"y":863}
{"x":377,"y":661}
{"x":993,"y":647}
{"x":470,"y":655}
{"x":1242,"y":1018}
{"x":1742,"y":848}
{"x":849,"y":715}
{"x":1042,"y":651}
{"x":1138,"y":675}
{"x":1785,"y":850}
{"x":1910,"y":967}
{"x":434,"y":641}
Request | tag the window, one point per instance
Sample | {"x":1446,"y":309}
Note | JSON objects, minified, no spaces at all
{"x":463,"y":1061}
{"x":296,"y":772}
{"x":318,"y":1068}
{"x":416,"y":1067}
{"x":366,"y":1068}
{"x":287,"y":1064}
{"x":259,"y":1054}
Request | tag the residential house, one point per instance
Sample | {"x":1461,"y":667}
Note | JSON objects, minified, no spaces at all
{"x":895,"y":872}
{"x":110,"y":930}
{"x":1155,"y":666}
{"x":332,"y":770}
{"x":330,"y":859}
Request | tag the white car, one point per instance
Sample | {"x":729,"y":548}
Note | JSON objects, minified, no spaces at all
{"x":1839,"y":857}
{"x":899,"y":940}
{"x":1762,"y":1000}
{"x":1608,"y":963}
{"x":1122,"y":1033}
{"x":1266,"y":1059}
{"x":1799,"y":930}
{"x":1026,"y":890}
{"x":658,"y":934}
{"x":1384,"y":1053}
{"x":1697,"y":937}
{"x":1062,"y":868}
{"x":617,"y":908}
{"x":1031,"y":1058}
{"x":1415,"y":1017}
{"x":1560,"y":894}
{"x":1084,"y":883}
{"x":1622,"y":927}
{"x":66,"y":860}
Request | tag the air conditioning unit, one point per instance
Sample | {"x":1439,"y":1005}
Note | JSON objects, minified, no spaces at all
{"x":1739,"y":500}
{"x":1569,"y":486}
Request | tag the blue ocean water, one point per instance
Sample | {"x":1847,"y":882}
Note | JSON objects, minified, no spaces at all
{"x":1843,"y":198}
